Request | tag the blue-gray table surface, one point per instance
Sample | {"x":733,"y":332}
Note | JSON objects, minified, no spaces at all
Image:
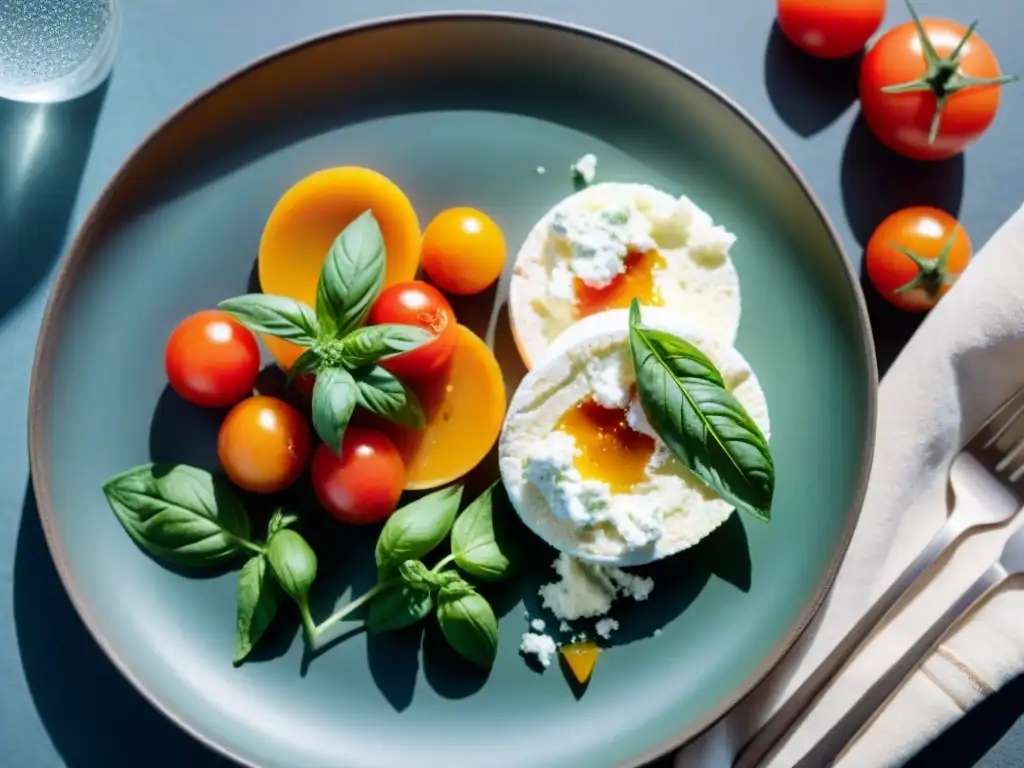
{"x":61,"y":701}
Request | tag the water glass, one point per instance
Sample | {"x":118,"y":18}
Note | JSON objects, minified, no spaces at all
{"x":54,"y":50}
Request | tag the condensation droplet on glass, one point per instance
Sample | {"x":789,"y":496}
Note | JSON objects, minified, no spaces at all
{"x":44,"y":40}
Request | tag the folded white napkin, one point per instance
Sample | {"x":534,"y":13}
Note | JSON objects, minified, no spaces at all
{"x":965,"y":359}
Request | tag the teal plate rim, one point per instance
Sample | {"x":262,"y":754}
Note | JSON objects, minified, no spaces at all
{"x":78,"y":254}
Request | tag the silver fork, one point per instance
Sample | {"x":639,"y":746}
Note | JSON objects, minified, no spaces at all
{"x":985,"y":479}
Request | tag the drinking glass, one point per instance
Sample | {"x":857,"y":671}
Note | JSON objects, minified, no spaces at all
{"x":54,"y":50}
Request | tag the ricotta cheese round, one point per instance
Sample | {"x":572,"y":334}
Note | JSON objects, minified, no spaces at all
{"x":666,"y":509}
{"x":585,"y":242}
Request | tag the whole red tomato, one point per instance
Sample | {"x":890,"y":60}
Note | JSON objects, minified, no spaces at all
{"x":929,"y":88}
{"x":417,"y":303}
{"x":364,"y":483}
{"x":830,"y":28}
{"x":264,"y":444}
{"x":915,"y":256}
{"x":211,"y":359}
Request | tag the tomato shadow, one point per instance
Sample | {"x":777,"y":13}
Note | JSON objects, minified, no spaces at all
{"x":876,"y":182}
{"x":183,"y":432}
{"x":808,"y":93}
{"x":891,"y":327}
{"x":91,"y":713}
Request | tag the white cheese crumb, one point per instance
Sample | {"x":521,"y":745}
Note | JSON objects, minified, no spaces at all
{"x":657,"y":632}
{"x":537,"y":625}
{"x":551,"y":469}
{"x":605,"y":627}
{"x":541,"y":170}
{"x":588,"y":590}
{"x":610,"y":380}
{"x":600,"y":239}
{"x":584,"y":169}
{"x":564,"y":627}
{"x":541,"y":646}
{"x":637,"y":420}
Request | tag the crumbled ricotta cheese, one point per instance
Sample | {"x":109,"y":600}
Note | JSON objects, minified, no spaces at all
{"x":551,"y":469}
{"x":541,"y":646}
{"x":610,"y":377}
{"x":541,"y":170}
{"x":657,"y":632}
{"x":637,"y":419}
{"x":537,"y":625}
{"x":605,"y":627}
{"x":564,"y":627}
{"x":584,"y":169}
{"x":599,"y":239}
{"x":586,"y":590}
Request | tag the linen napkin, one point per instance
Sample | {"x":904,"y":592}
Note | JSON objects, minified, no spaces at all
{"x":966,"y":358}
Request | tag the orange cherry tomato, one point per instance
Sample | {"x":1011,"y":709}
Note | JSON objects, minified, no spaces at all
{"x":904,"y":121}
{"x":463,"y":251}
{"x":211,"y":359}
{"x":364,"y":483}
{"x":830,"y":28}
{"x":264,"y":444}
{"x":417,"y":303}
{"x":904,"y":257}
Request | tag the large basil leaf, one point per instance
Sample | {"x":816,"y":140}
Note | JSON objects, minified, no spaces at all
{"x":486,"y":539}
{"x":415,"y":529}
{"x":259,"y":597}
{"x":400,"y":606}
{"x":468,"y":624}
{"x":365,"y":346}
{"x":703,"y":425}
{"x":381,"y":393}
{"x":351,"y":278}
{"x":334,"y":398}
{"x":278,"y":316}
{"x":179,"y":513}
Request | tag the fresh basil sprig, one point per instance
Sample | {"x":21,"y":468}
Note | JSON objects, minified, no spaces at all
{"x":181,"y":514}
{"x":350,"y":281}
{"x":485,"y":538}
{"x":468,"y":624}
{"x":704,"y":426}
{"x":415,"y":530}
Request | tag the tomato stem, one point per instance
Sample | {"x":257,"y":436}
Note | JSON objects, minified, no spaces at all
{"x":933,"y":273}
{"x":942,"y":76}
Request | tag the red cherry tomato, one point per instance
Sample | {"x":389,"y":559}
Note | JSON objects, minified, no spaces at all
{"x":264,"y":444}
{"x":830,"y":28}
{"x":916,"y":282}
{"x":363,"y":484}
{"x":906,"y":121}
{"x":417,"y":303}
{"x":212,"y":359}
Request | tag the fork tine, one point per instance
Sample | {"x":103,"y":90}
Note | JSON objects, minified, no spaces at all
{"x":999,"y":423}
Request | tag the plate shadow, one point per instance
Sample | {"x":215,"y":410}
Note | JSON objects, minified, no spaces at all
{"x":46,"y":147}
{"x":91,"y":713}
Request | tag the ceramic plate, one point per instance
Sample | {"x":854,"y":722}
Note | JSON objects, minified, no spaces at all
{"x":457,"y":109}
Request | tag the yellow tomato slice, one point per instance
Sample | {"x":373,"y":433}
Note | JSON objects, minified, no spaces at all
{"x":310,"y":216}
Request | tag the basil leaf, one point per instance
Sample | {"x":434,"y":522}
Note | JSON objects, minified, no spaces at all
{"x":278,"y":316}
{"x":351,"y":278}
{"x":703,"y":425}
{"x":280,"y":520}
{"x":294,"y":564}
{"x":485,"y":537}
{"x":307,"y":362}
{"x":259,"y":597}
{"x":365,"y":346}
{"x":334,"y":398}
{"x":381,"y":393}
{"x":179,"y":513}
{"x":398,"y":607}
{"x":469,"y":625}
{"x":415,"y":529}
